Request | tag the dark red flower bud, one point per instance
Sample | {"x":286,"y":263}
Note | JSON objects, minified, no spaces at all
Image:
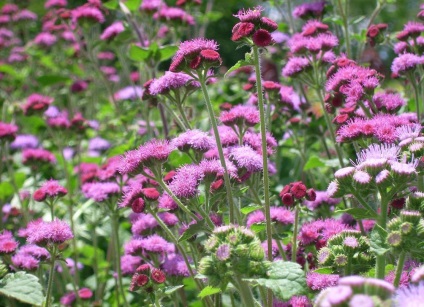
{"x":311,"y":195}
{"x":242,"y":29}
{"x":195,"y":63}
{"x":402,"y":35}
{"x":373,"y":31}
{"x":140,"y":279}
{"x":138,"y":205}
{"x":268,"y":24}
{"x":248,"y":86}
{"x":340,"y":119}
{"x":143,"y":268}
{"x":158,"y":276}
{"x":217,"y":184}
{"x":226,"y":106}
{"x":150,"y":193}
{"x":287,"y":199}
{"x":39,"y":195}
{"x":169,"y":176}
{"x":210,"y":55}
{"x":262,"y":38}
{"x":398,"y":203}
{"x":298,"y":190}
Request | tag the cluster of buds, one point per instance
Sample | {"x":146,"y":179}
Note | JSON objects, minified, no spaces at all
{"x":377,"y":167}
{"x":233,"y":251}
{"x":357,"y":291}
{"x":375,"y":34}
{"x":50,"y":190}
{"x":406,"y":232}
{"x":348,"y":248}
{"x":296,"y":191}
{"x":196,"y":54}
{"x":253,"y":28}
{"x":147,"y":278}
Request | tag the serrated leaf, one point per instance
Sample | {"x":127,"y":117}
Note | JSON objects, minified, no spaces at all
{"x":209,"y":290}
{"x":358,"y":213}
{"x":313,"y":162}
{"x":193,"y":230}
{"x":285,"y":279}
{"x":241,"y":63}
{"x":248,"y":209}
{"x":22,"y":287}
{"x":378,"y":243}
{"x":170,"y":290}
{"x":139,"y":54}
{"x":166,"y":52}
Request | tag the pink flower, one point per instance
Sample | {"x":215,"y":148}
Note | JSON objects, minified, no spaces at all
{"x":36,"y":103}
{"x":186,"y":181}
{"x":193,"y":139}
{"x":55,"y":232}
{"x":35,"y":156}
{"x":171,"y":81}
{"x":87,"y":13}
{"x":174,"y":14}
{"x":112,"y":31}
{"x":100,"y":191}
{"x":406,"y":62}
{"x":51,"y":189}
{"x":318,"y":282}
{"x":55,"y":3}
{"x":8,"y":131}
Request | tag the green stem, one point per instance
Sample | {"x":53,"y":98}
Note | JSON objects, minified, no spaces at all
{"x":176,"y":117}
{"x":399,"y":268}
{"x":244,"y":291}
{"x":330,"y":128}
{"x":417,"y":96}
{"x":344,"y":15}
{"x":51,"y":276}
{"x":202,"y":80}
{"x":382,"y":222}
{"x":264,"y":152}
{"x":115,"y":233}
{"x":295,"y":228}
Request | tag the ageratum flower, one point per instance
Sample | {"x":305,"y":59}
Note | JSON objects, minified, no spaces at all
{"x":49,"y":189}
{"x":174,"y":14}
{"x":36,"y":103}
{"x":196,"y":53}
{"x":171,"y":81}
{"x":56,"y":232}
{"x":37,"y":156}
{"x":8,"y":131}
{"x":100,"y":191}
{"x":113,"y":30}
{"x":406,"y":62}
{"x":309,"y":9}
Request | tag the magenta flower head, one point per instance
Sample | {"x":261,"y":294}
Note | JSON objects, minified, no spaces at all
{"x":171,"y":81}
{"x":195,"y":139}
{"x":195,"y":54}
{"x":240,"y":116}
{"x":36,"y":103}
{"x":253,"y":28}
{"x":113,"y":30}
{"x":34,"y":157}
{"x":100,"y":191}
{"x":309,"y":10}
{"x":175,"y":15}
{"x":87,"y":14}
{"x":49,"y":189}
{"x":406,"y":62}
{"x":8,"y":131}
{"x":186,"y":181}
{"x":50,"y":233}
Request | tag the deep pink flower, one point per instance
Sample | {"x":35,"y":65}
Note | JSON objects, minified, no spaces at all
{"x":406,"y":62}
{"x":245,"y":157}
{"x":193,"y":139}
{"x":262,"y":38}
{"x":55,"y":3}
{"x":8,"y":131}
{"x":100,"y":191}
{"x":166,"y":13}
{"x":250,"y":15}
{"x":294,"y":66}
{"x":36,"y":103}
{"x":35,"y":156}
{"x":186,"y":181}
{"x":51,"y":188}
{"x":309,"y":9}
{"x":240,"y":115}
{"x":112,"y":31}
{"x":55,"y":232}
{"x":171,"y":81}
{"x":87,"y":13}
{"x":318,"y":282}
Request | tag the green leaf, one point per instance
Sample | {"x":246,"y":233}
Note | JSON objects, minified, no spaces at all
{"x":170,"y":290}
{"x":166,"y":52}
{"x":6,"y":190}
{"x":20,"y":179}
{"x":111,"y":4}
{"x":248,"y":209}
{"x":241,"y":63}
{"x":193,"y":230}
{"x":22,"y":287}
{"x":138,"y":54}
{"x":378,"y":243}
{"x":133,"y":5}
{"x":51,"y":79}
{"x":209,"y":290}
{"x":285,"y":279}
{"x":258,"y":227}
{"x":8,"y":69}
{"x":326,"y":270}
{"x":358,"y":213}
{"x":313,"y":162}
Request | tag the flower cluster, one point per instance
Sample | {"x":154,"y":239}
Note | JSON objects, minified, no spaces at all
{"x":147,"y":278}
{"x":296,"y":191}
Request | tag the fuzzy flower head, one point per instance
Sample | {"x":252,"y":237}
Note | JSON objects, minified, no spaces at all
{"x":23,"y":141}
{"x":50,"y":189}
{"x":174,"y":15}
{"x":100,"y":191}
{"x":171,"y":81}
{"x":113,"y":30}
{"x":309,"y":10}
{"x":87,"y":14}
{"x":36,"y":156}
{"x":406,"y":62}
{"x":56,"y":232}
{"x":186,"y":181}
{"x":8,"y":131}
{"x":246,"y":158}
{"x":240,"y":116}
{"x":193,"y":139}
{"x":36,"y":103}
{"x":195,"y":54}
